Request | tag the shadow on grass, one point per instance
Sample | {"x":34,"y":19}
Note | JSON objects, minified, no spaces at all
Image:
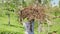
{"x":13,"y":26}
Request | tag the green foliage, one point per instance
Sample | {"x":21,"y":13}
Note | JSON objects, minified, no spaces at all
{"x":12,"y":6}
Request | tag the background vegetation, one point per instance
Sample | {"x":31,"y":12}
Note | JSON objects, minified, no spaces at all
{"x":9,"y":9}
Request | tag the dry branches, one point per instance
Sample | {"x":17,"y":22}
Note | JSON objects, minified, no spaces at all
{"x":33,"y":12}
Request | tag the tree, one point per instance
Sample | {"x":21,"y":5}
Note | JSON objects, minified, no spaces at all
{"x":9,"y":8}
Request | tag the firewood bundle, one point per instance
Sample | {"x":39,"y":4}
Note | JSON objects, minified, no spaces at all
{"x":33,"y":12}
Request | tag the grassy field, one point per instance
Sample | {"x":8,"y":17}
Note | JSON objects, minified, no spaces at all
{"x":16,"y":28}
{"x":13,"y":28}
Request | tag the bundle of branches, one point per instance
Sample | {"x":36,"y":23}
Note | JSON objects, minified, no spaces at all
{"x":33,"y":12}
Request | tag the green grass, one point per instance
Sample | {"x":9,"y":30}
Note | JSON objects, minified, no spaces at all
{"x":16,"y":28}
{"x":13,"y":28}
{"x":56,"y":26}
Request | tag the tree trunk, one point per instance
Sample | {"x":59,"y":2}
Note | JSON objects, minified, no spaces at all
{"x":29,"y":27}
{"x":39,"y":27}
{"x":8,"y":19}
